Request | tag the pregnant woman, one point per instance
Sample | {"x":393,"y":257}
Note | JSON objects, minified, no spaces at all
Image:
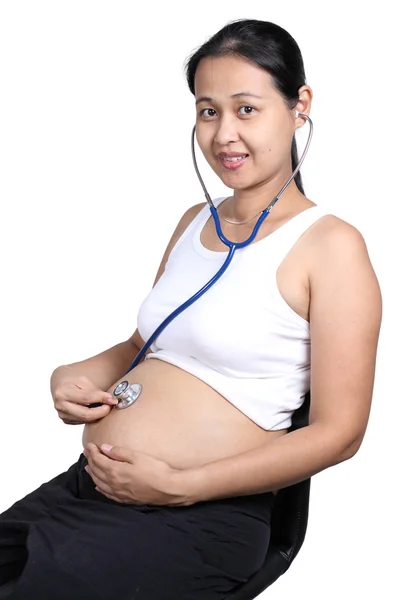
{"x":171,"y":498}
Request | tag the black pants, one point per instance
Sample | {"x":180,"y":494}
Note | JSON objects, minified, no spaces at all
{"x":65,"y":540}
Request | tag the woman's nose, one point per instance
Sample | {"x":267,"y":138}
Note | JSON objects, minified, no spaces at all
{"x":226,"y":132}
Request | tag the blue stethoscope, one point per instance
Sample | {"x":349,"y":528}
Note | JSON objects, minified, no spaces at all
{"x":128,"y":393}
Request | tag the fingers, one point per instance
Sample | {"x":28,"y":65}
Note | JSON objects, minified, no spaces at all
{"x":98,"y":471}
{"x":104,"y":486}
{"x":100,"y":463}
{"x":82,"y":391}
{"x":79,"y":400}
{"x":74,"y":413}
{"x":85,"y":397}
{"x":101,"y":486}
{"x":106,"y":469}
{"x":100,"y":468}
{"x":119,"y":453}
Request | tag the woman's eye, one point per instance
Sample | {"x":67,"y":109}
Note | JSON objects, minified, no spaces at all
{"x":203,"y":111}
{"x":247,"y":113}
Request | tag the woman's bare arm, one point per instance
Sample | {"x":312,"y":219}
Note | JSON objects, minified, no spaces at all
{"x":105,"y":368}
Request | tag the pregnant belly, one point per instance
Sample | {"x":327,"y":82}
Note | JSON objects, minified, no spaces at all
{"x":177,"y":418}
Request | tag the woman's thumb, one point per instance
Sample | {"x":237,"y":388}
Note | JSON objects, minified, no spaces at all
{"x":117,"y":452}
{"x":109,"y":399}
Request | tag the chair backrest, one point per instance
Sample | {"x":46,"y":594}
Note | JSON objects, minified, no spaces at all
{"x":288,"y":527}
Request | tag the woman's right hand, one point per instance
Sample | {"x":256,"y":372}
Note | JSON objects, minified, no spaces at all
{"x":73,"y":396}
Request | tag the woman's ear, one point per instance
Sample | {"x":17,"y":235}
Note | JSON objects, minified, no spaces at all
{"x":303,"y":105}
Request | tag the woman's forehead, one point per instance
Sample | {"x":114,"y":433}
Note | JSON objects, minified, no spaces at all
{"x":231,"y":76}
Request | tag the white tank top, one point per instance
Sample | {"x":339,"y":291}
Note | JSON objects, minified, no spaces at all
{"x":241,"y":337}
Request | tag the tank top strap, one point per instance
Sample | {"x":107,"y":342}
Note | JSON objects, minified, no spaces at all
{"x":197,"y":222}
{"x":288,"y":234}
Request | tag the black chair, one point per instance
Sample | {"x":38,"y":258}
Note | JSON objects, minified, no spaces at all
{"x":288,"y":527}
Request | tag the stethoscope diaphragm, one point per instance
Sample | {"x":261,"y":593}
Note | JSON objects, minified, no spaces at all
{"x":126,"y":393}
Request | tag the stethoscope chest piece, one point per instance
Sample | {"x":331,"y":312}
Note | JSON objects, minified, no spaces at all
{"x":126,"y":393}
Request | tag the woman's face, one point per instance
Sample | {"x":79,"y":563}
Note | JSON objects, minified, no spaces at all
{"x":230,"y":119}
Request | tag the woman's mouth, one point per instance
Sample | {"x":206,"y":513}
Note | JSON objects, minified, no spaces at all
{"x":234,"y":162}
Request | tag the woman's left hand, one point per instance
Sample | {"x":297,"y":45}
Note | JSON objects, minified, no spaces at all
{"x":132,"y":477}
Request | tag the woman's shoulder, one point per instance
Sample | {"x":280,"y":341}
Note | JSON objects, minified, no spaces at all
{"x":190,"y":214}
{"x":332,"y":244}
{"x":335,"y":249}
{"x":331,"y":231}
{"x":186,"y":219}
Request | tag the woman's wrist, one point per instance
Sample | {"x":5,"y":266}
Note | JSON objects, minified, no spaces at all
{"x":185,"y":485}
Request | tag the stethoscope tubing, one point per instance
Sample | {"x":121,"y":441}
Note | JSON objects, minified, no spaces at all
{"x":181,"y":308}
{"x":233,"y":246}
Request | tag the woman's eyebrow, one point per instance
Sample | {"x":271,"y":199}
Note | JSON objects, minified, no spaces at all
{"x":209,"y":99}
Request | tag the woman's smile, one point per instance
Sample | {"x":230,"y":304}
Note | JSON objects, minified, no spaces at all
{"x":232,"y":163}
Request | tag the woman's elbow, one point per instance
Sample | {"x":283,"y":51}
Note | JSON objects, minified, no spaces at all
{"x":351,"y":449}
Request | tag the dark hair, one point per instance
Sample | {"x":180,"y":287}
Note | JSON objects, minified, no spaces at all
{"x":267,"y":45}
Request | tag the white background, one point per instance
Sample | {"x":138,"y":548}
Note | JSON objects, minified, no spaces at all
{"x":96,"y":119}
